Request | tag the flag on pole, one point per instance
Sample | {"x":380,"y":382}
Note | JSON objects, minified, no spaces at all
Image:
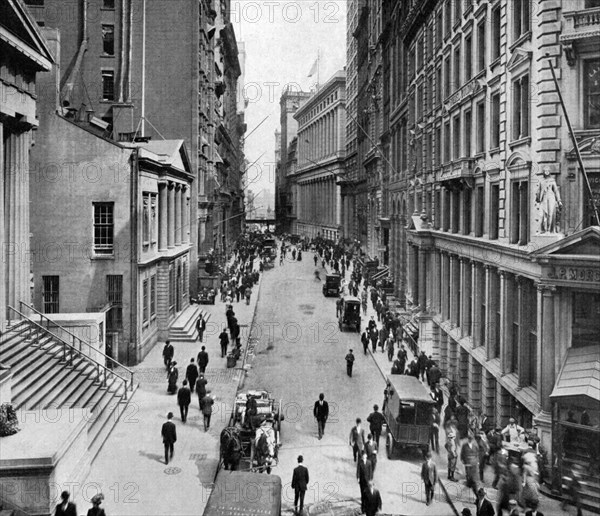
{"x":313,"y":68}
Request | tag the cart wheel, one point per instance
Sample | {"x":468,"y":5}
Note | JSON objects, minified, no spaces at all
{"x":390,"y":447}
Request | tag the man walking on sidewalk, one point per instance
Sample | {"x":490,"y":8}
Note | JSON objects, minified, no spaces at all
{"x":200,"y":326}
{"x":202,"y":361}
{"x":191,"y":373}
{"x":206,"y":406}
{"x":184,"y":398}
{"x":376,"y":421}
{"x":429,"y":476}
{"x":364,"y":474}
{"x":321,"y":413}
{"x":169,"y":437}
{"x":224,"y":339}
{"x":201,"y":388}
{"x":168,"y":353}
{"x":357,"y":439}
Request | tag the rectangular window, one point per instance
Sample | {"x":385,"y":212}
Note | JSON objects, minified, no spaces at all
{"x":585,"y":326}
{"x":108,"y":4}
{"x":520,"y":18}
{"x":103,"y":228}
{"x":591,"y":93}
{"x":448,"y":19}
{"x":108,"y":40}
{"x":146,"y":218}
{"x":467,"y":209}
{"x":419,"y":102}
{"x":456,"y":137}
{"x":429,"y":93}
{"x":50,"y":294}
{"x":481,"y":127}
{"x":171,"y":288}
{"x":438,"y":86}
{"x":145,"y":303}
{"x":153,"y":295}
{"x":153,"y":218}
{"x":468,"y":131}
{"x":108,"y":85}
{"x":446,"y":142}
{"x":438,"y":146}
{"x":455,"y":211}
{"x":457,"y":82}
{"x":496,"y":21}
{"x":446,"y":211}
{"x":419,"y":54}
{"x":495,"y":122}
{"x":468,"y":57}
{"x":439,"y":26}
{"x":438,"y":209}
{"x":521,"y":107}
{"x":481,"y":46}
{"x":430,"y":41}
{"x":457,"y":11}
{"x":495,"y":278}
{"x":479,"y":210}
{"x":114,"y":297}
{"x":447,"y":77}
{"x":519,"y":230}
{"x":494,"y":211}
{"x":483,"y":322}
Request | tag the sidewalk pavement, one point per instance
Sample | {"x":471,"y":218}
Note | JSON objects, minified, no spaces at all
{"x":457,"y":493}
{"x":130,"y":469}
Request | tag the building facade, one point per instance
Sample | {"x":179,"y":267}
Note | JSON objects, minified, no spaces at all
{"x":320,"y":155}
{"x":23,"y":54}
{"x":290,"y":101}
{"x":502,"y":242}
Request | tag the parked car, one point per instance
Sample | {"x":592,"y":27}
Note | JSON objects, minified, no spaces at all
{"x":332,"y":285}
{"x":350,"y":313}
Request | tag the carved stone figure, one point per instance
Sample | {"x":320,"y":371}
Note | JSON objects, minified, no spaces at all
{"x":548,"y":197}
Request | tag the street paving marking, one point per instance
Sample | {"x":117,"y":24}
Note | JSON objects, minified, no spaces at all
{"x":198,"y":457}
{"x":172,"y":471}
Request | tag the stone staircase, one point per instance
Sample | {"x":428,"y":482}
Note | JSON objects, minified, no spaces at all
{"x":183,"y":328}
{"x":49,"y":375}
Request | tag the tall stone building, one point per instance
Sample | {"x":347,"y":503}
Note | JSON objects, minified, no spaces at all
{"x":502,"y":241}
{"x":290,"y":101}
{"x":321,"y":153}
{"x":23,"y":54}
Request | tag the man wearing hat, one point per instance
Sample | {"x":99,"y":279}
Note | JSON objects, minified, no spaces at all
{"x":465,"y":512}
{"x":429,"y":476}
{"x":169,"y":436}
{"x":299,"y":484}
{"x":349,"y":363}
{"x":65,"y":508}
{"x":206,"y":405}
{"x":96,"y":510}
{"x":452,"y":450}
{"x":469,"y":456}
{"x":512,"y":432}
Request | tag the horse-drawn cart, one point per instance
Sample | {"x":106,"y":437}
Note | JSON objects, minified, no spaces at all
{"x":253,"y":437}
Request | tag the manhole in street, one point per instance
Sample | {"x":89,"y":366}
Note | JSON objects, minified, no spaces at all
{"x":172,"y":471}
{"x":197,"y":456}
{"x":307,"y":307}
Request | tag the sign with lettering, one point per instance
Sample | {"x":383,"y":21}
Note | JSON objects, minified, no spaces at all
{"x":586,"y":274}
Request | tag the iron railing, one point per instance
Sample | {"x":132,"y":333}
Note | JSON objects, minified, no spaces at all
{"x":70,"y":351}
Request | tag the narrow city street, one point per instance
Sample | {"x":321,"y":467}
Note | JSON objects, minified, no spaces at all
{"x":300,"y":354}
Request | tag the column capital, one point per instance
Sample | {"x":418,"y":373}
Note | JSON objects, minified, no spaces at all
{"x":178,"y":186}
{"x":545,"y":289}
{"x":171,"y":185}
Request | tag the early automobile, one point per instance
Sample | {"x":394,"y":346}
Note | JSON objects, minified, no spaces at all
{"x":245,"y":493}
{"x":407,"y":412}
{"x":332,"y":285}
{"x":350,"y":313}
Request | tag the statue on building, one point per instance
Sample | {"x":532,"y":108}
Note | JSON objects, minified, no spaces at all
{"x":548,"y":198}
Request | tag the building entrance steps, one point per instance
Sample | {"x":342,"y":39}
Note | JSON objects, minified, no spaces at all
{"x":184,"y":327}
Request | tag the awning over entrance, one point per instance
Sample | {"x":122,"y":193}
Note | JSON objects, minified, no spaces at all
{"x":579,"y":375}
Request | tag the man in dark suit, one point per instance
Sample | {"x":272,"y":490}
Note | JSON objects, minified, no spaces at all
{"x":484,"y":506}
{"x":372,"y":501}
{"x":364,"y":474}
{"x":200,"y":326}
{"x":321,"y":413}
{"x":357,"y":439}
{"x":376,"y":420}
{"x":429,"y":476}
{"x":371,"y":451}
{"x":169,"y":436}
{"x":201,"y":388}
{"x":191,"y":373}
{"x":184,"y":398}
{"x":65,"y":508}
{"x":299,"y":484}
{"x":202,"y":360}
{"x":168,"y":353}
{"x":224,"y":339}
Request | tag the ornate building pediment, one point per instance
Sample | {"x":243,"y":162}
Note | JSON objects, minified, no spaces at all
{"x":520,"y":57}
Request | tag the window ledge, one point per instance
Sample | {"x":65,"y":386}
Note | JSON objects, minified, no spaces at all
{"x":495,"y":150}
{"x":526,"y":140}
{"x":494,"y":63}
{"x":103,"y":257}
{"x":102,"y":56}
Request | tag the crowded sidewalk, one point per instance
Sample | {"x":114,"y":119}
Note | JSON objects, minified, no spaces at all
{"x":132,"y":459}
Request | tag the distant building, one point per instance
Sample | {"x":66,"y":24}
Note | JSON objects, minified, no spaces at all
{"x":320,"y":160}
{"x":23,"y":54}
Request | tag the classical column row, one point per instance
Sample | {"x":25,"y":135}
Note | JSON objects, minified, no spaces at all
{"x":320,"y":202}
{"x":173,"y":215}
{"x":321,"y":138}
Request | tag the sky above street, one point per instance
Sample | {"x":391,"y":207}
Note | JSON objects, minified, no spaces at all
{"x":282,"y":40}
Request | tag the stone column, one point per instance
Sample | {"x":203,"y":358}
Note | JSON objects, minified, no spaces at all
{"x":162,"y":216}
{"x":475,"y":383}
{"x":338,"y":203}
{"x":546,"y":344}
{"x":453,"y":292}
{"x":178,"y":217}
{"x":185,"y":216}
{"x":490,"y":313}
{"x":3,"y":278}
{"x":171,"y":216}
{"x":422,"y":282}
{"x":522,"y":344}
{"x":505,"y":303}
{"x":476,"y":303}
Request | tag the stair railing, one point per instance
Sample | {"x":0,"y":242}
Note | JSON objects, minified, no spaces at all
{"x":77,"y":341}
{"x":102,"y":372}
